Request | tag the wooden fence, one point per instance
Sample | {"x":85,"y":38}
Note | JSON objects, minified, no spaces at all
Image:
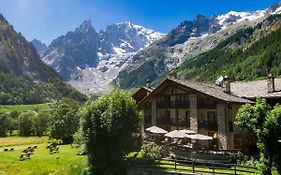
{"x":194,"y":167}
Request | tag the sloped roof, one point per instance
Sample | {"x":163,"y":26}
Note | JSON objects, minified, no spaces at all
{"x":143,"y":88}
{"x":149,"y":89}
{"x":212,"y":90}
{"x":208,"y":89}
{"x":141,"y":93}
{"x":253,"y":89}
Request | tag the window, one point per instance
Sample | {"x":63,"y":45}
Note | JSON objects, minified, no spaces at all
{"x":167,"y":113}
{"x":183,"y":97}
{"x":173,"y":98}
{"x":212,"y":117}
{"x":230,"y":126}
{"x":187,"y":118}
{"x":209,"y":101}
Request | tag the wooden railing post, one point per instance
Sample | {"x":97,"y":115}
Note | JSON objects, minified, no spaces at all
{"x":213,"y":168}
{"x":175,"y":163}
{"x":193,"y":168}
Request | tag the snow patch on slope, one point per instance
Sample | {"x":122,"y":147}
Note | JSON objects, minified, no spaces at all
{"x":234,"y":17}
{"x":97,"y":80}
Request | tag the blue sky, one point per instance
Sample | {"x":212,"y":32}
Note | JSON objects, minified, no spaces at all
{"x":48,"y":19}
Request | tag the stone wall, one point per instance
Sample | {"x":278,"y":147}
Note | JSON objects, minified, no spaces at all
{"x":154,"y":111}
{"x":193,"y":112}
{"x":222,"y":126}
{"x":140,"y":171}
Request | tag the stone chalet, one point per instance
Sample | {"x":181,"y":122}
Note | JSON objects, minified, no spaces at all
{"x":208,"y":109}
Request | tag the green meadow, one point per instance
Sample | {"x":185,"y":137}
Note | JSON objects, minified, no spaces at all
{"x":41,"y":162}
{"x":23,"y":108}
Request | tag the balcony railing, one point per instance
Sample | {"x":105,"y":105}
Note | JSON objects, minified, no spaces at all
{"x":212,"y":126}
{"x":165,"y":120}
{"x":173,"y":104}
{"x":204,"y":105}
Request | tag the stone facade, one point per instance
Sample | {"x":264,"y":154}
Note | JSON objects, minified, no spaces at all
{"x":222,"y":126}
{"x":175,"y":105}
{"x":154,"y":111}
{"x":193,"y":113}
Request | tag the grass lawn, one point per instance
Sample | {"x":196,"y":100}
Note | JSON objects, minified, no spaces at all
{"x":170,"y":166}
{"x":17,"y":141}
{"x":167,"y":165}
{"x":22,"y":108}
{"x":41,"y":161}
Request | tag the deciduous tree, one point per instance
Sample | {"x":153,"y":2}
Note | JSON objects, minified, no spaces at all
{"x":64,"y":122}
{"x":4,"y":124}
{"x":265,"y":124}
{"x":40,"y":123}
{"x":110,"y":126}
{"x":25,"y":123}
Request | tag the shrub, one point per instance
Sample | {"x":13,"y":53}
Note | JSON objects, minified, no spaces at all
{"x":151,"y":152}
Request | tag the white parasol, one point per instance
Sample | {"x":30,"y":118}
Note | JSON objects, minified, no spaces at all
{"x":199,"y":137}
{"x":156,"y":130}
{"x":176,"y":134}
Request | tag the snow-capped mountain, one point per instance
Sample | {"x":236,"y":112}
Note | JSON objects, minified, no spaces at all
{"x":220,"y":27}
{"x":91,"y":60}
{"x":187,"y":40}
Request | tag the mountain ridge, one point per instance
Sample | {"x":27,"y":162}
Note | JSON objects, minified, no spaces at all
{"x":178,"y":45}
{"x":24,"y":77}
{"x":39,"y":46}
{"x":110,"y":51}
{"x":250,"y":54}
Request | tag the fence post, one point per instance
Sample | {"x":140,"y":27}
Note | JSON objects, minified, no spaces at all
{"x":213,"y":168}
{"x":193,"y":168}
{"x":175,"y":163}
{"x":235,"y":165}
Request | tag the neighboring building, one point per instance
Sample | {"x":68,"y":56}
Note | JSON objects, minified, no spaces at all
{"x":143,"y":92}
{"x":269,"y":89}
{"x":204,"y":108}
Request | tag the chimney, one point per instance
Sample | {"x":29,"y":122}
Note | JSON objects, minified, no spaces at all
{"x":270,"y":83}
{"x":173,"y":74}
{"x":226,"y":84}
{"x":148,"y":83}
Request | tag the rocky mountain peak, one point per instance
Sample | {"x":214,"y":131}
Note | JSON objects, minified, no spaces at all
{"x":39,"y":46}
{"x":18,"y":56}
{"x":85,"y":27}
{"x":2,"y":18}
{"x":126,"y":24}
{"x":274,"y":8}
{"x":85,"y":52}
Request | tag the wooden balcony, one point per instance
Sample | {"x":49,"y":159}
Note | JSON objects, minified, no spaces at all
{"x":207,"y":125}
{"x":206,"y":105}
{"x":173,"y":104}
{"x":166,"y":120}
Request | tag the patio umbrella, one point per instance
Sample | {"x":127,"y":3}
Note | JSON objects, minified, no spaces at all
{"x":187,"y":131}
{"x":176,"y":134}
{"x":156,"y":130}
{"x":199,"y":137}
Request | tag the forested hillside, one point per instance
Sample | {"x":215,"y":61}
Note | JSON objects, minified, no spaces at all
{"x":250,"y":54}
{"x":21,"y":90}
{"x":24,"y":77}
